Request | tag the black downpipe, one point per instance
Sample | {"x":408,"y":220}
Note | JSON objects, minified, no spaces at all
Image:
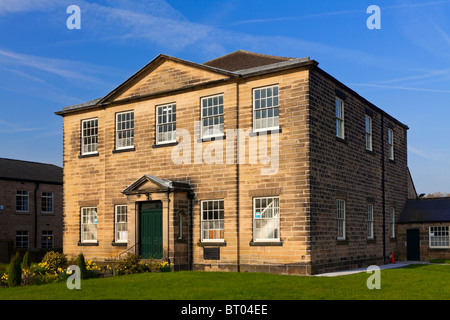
{"x":383,"y":186}
{"x":190,"y":231}
{"x":35,"y":214}
{"x":237,"y":182}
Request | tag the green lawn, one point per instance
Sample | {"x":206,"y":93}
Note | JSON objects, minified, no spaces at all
{"x":412,"y":282}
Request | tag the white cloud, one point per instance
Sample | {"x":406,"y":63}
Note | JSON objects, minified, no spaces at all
{"x":16,"y":6}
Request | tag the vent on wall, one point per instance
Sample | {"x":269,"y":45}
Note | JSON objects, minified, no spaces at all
{"x":211,"y":253}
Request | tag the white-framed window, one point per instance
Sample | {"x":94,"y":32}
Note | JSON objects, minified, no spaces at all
{"x":22,"y":239}
{"x":89,"y":224}
{"x":369,"y":221}
{"x":47,"y":239}
{"x":21,"y":201}
{"x":47,"y":202}
{"x":89,"y":136}
{"x":391,"y":144}
{"x":121,"y":223}
{"x":166,"y":123}
{"x":212,"y":116}
{"x":340,"y":205}
{"x":392,"y":222}
{"x":124,"y":130}
{"x":340,"y":124}
{"x":212,"y":214}
{"x":266,"y":219}
{"x":266,"y":108}
{"x":439,"y":237}
{"x":368,"y":134}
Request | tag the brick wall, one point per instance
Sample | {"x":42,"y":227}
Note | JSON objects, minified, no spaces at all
{"x":12,"y":220}
{"x":426,"y":253}
{"x":343,"y":169}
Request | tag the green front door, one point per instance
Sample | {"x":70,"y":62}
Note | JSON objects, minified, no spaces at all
{"x":151,"y":233}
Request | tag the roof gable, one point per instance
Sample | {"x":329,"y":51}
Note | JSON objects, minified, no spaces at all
{"x":165,"y":73}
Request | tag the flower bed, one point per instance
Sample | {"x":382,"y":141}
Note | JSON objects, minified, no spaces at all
{"x":54,"y":265}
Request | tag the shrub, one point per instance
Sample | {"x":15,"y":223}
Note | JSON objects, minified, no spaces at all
{"x":54,"y":261}
{"x":14,"y":271}
{"x":81,"y":263}
{"x":129,"y":265}
{"x":26,"y":261}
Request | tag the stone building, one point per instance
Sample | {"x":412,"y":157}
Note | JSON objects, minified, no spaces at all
{"x":247,"y":162}
{"x":31,"y":199}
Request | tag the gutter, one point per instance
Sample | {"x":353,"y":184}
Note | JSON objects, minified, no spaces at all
{"x":238,"y":249}
{"x":35,"y":214}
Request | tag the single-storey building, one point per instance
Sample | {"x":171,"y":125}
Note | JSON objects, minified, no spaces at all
{"x":424,"y":229}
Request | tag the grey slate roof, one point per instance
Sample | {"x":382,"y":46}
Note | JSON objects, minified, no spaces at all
{"x":426,"y":210}
{"x":20,"y":170}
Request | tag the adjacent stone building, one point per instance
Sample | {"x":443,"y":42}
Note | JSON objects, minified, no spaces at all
{"x":31,"y":214}
{"x":247,"y":162}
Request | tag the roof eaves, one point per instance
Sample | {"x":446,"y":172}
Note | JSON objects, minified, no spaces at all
{"x":274,"y":67}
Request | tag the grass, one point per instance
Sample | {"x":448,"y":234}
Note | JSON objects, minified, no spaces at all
{"x":418,"y":282}
{"x":442,"y":261}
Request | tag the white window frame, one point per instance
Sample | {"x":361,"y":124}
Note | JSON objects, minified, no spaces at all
{"x":49,"y":235}
{"x":24,"y":200}
{"x":441,"y":241}
{"x":213,"y":221}
{"x":273,"y":109}
{"x":90,"y":221}
{"x":47,"y":199}
{"x":340,"y":118}
{"x":391,"y":144}
{"x":370,"y":224}
{"x":92,"y":137}
{"x":24,"y":235}
{"x":125,"y":126}
{"x":368,"y":132}
{"x":120,"y":211}
{"x":258,"y":213}
{"x":340,"y":217}
{"x":392,"y":222}
{"x":212,"y":110}
{"x":170,"y":115}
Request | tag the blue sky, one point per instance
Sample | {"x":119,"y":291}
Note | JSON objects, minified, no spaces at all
{"x":404,"y":68}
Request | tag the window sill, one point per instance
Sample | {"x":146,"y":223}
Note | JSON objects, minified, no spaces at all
{"x":266,"y":244}
{"x":88,"y":244}
{"x":82,"y":156}
{"x":342,"y":140}
{"x":207,"y":139}
{"x":369,"y":241}
{"x":161,"y":145}
{"x":264,"y":132}
{"x":124,"y":150}
{"x":119,"y":244}
{"x":212,"y":244}
{"x":341,"y":242}
{"x":392,"y":161}
{"x":22,"y":212}
{"x":393,"y":239}
{"x":370,"y":152}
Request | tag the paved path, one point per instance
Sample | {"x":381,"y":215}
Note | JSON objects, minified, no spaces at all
{"x":400,"y":264}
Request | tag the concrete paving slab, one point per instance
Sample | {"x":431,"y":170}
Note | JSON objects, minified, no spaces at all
{"x":382,"y":267}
